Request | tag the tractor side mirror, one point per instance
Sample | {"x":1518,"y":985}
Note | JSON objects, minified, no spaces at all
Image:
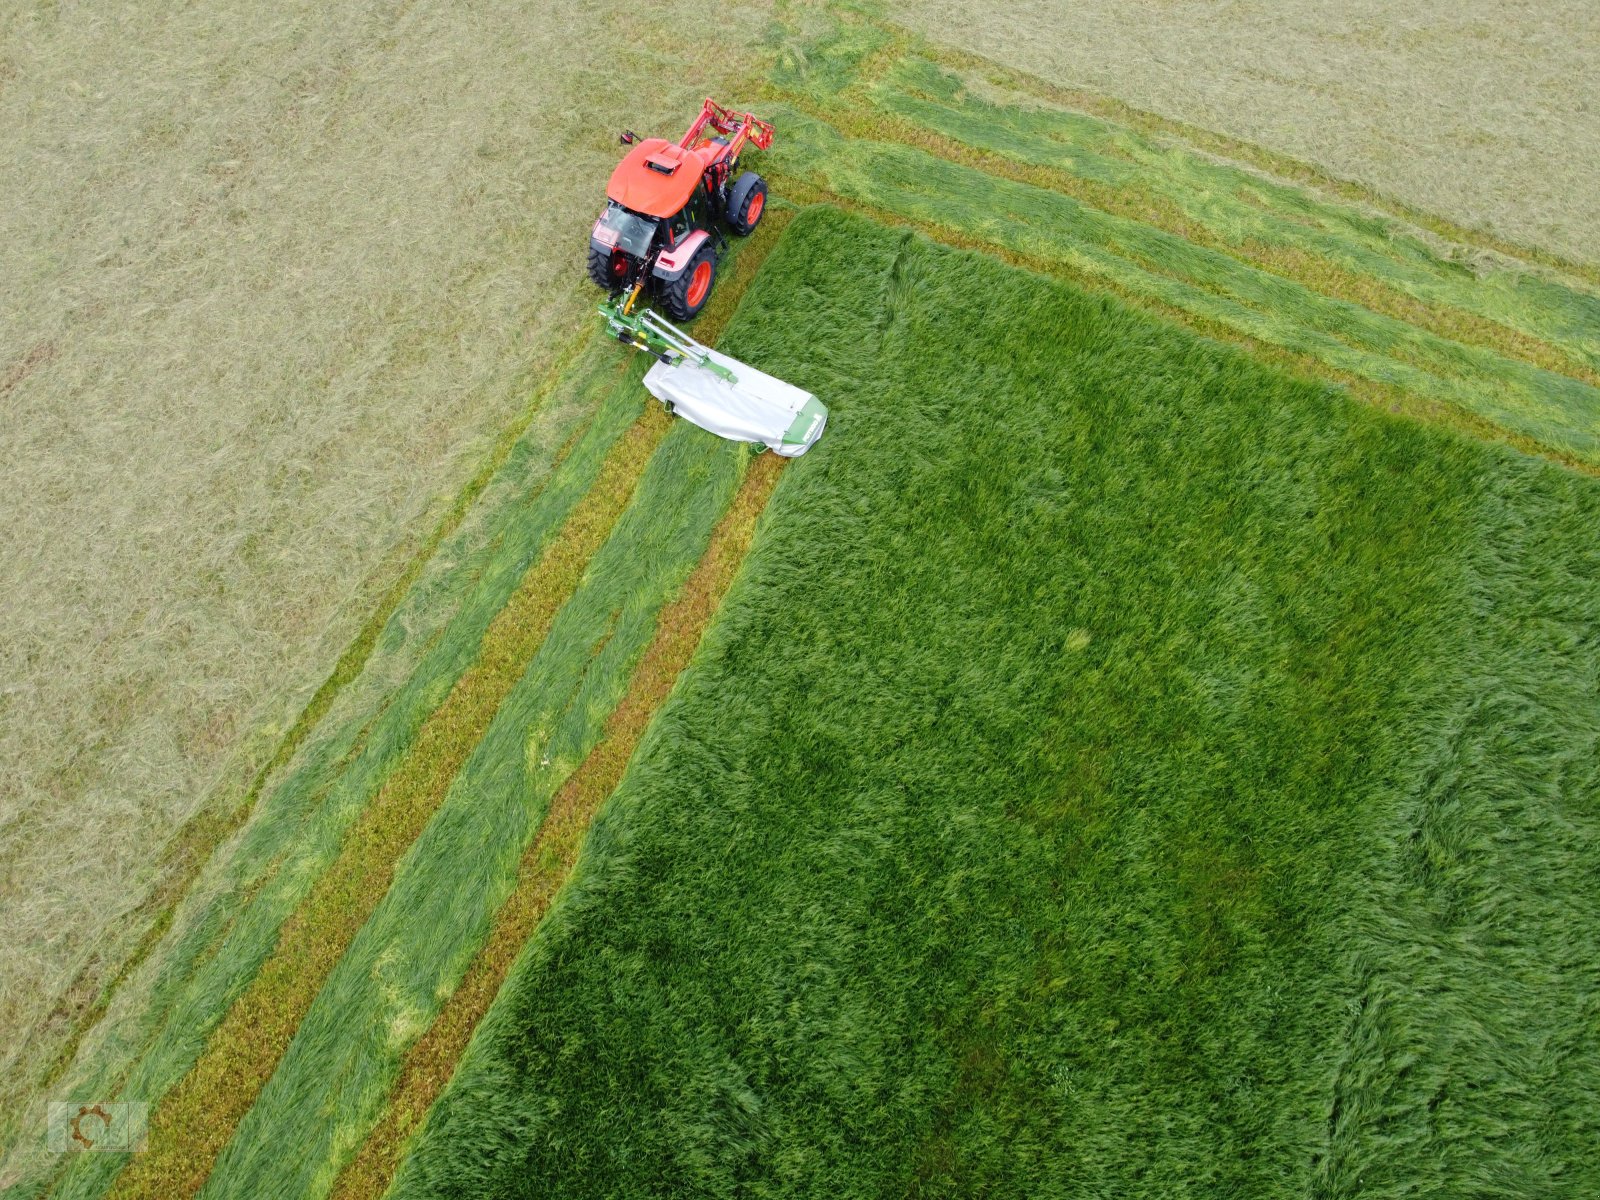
{"x":628,"y":137}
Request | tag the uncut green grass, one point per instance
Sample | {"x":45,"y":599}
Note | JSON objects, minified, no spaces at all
{"x":1120,"y":769}
{"x":406,"y":961}
{"x":1553,"y":409}
{"x":299,"y":827}
{"x":1240,"y":206}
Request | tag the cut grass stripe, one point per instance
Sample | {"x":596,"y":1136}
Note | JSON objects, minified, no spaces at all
{"x":549,"y":859}
{"x":1329,"y":248}
{"x":1554,"y":410}
{"x":231,"y":918}
{"x":259,"y":1023}
{"x":1282,"y":166}
{"x":190,"y":1129}
{"x":393,"y":978}
{"x":379,"y":643}
{"x":842,"y":56}
{"x":408,"y":957}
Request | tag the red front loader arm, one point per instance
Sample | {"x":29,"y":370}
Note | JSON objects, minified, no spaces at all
{"x":736,"y":127}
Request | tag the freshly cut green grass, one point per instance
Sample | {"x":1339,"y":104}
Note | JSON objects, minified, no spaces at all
{"x":1458,"y":116}
{"x":548,"y":859}
{"x":1241,"y":209}
{"x":469,"y":542}
{"x":195,"y":1121}
{"x":407,"y":959}
{"x":1552,"y":409}
{"x":1120,"y":769}
{"x":479,"y":558}
{"x":300,"y":829}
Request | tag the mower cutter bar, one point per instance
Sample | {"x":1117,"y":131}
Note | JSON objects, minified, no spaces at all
{"x":644,"y":330}
{"x":719,"y":394}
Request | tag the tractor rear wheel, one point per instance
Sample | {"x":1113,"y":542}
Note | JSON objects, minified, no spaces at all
{"x":688,"y":293}
{"x":747,"y":200}
{"x":608,"y":270}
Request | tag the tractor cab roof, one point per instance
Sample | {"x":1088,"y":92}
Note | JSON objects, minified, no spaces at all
{"x":656,"y":178}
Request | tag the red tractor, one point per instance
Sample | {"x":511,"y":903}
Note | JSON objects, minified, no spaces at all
{"x":659,"y":232}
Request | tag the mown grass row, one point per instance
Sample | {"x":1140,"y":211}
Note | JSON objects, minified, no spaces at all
{"x":1329,"y":247}
{"x":420,"y":601}
{"x":890,"y":87}
{"x":1105,"y":777}
{"x":230,"y":920}
{"x":844,"y":53}
{"x":425,"y":927}
{"x":198,"y":1117}
{"x":1552,"y":409}
{"x":308,"y":830}
{"x":549,"y":858}
{"x":397,"y":972}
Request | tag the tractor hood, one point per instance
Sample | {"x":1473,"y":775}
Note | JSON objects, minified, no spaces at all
{"x":656,"y":178}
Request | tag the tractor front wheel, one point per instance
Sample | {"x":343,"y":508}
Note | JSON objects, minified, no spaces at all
{"x":747,"y":200}
{"x":688,"y":293}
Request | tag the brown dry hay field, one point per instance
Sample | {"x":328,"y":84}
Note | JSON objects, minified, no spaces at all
{"x":1481,"y":111}
{"x":276,"y":280}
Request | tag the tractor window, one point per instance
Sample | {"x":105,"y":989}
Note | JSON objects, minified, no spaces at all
{"x":699,"y":207}
{"x":627,"y":231}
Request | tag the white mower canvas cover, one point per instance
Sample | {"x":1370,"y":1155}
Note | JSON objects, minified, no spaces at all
{"x":758,"y":408}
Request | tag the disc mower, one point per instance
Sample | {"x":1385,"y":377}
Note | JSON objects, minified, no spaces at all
{"x":659,"y":240}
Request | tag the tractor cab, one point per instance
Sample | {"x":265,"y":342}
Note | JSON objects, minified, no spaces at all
{"x":621,"y":241}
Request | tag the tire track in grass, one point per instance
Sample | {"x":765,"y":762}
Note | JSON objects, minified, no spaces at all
{"x":549,"y":859}
{"x":190,"y":1128}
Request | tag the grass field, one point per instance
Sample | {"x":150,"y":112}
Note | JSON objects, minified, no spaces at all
{"x":1328,"y":287}
{"x":1148,"y":746}
{"x":276,"y":282}
{"x":1226,"y":826}
{"x":1470,"y":111}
